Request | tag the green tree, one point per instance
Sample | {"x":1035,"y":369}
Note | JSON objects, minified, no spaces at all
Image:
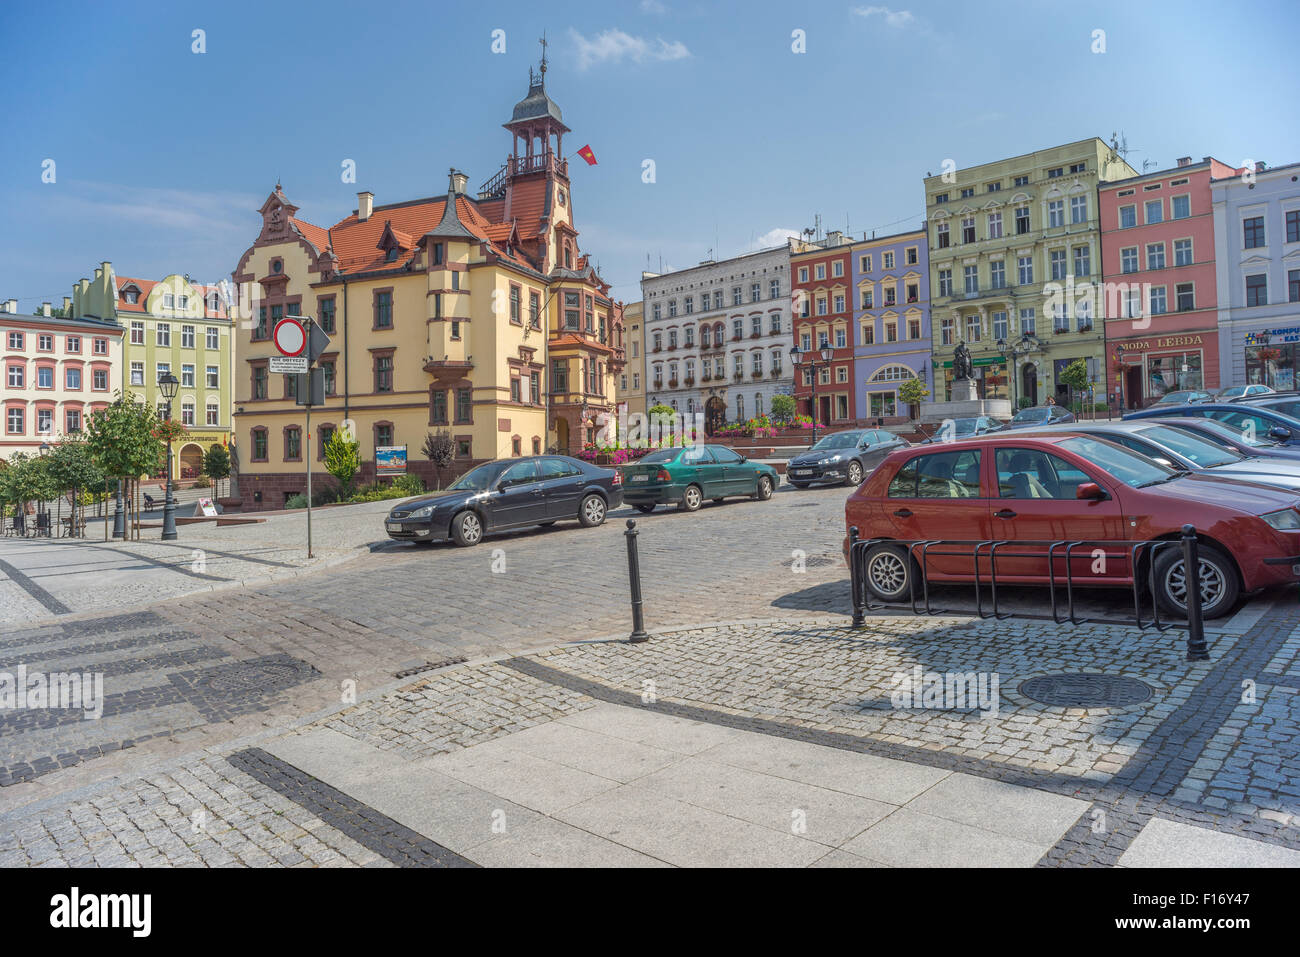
{"x":216,"y":463}
{"x":783,"y":408}
{"x":123,"y":440}
{"x":440,"y":450}
{"x":1075,"y":375}
{"x":72,"y":470}
{"x":913,"y":391}
{"x":343,"y":461}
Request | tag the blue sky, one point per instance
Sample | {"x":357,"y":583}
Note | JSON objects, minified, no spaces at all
{"x":163,"y":155}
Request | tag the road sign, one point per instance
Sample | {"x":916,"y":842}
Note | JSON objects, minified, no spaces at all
{"x":317,"y":341}
{"x":290,"y":337}
{"x":288,"y":364}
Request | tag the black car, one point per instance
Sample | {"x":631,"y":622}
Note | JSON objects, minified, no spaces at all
{"x":1288,"y":403}
{"x":1039,"y":415}
{"x":845,"y":457}
{"x":509,"y":493}
{"x":1251,"y":418}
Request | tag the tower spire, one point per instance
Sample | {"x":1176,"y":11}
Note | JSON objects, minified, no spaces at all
{"x":542,"y":41}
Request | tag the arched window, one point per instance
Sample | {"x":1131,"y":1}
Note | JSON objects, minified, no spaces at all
{"x":892,"y":373}
{"x":704,"y":337}
{"x":758,"y":403}
{"x":740,"y":408}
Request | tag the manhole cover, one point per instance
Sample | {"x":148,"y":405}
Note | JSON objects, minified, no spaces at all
{"x":814,"y":561}
{"x":257,"y":675}
{"x":1085,"y":691}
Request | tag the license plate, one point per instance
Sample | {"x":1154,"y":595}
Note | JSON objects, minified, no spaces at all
{"x":640,"y":478}
{"x":393,"y":526}
{"x":802,"y":472}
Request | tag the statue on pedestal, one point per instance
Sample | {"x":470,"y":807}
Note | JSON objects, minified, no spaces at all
{"x":962,"y":367}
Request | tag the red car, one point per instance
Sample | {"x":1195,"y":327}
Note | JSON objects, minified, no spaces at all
{"x":1075,"y":488}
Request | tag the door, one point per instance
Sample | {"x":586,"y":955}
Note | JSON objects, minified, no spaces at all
{"x":737,"y":474}
{"x":1030,"y":386}
{"x":1037,"y":502}
{"x":824,"y":410}
{"x":562,"y":483}
{"x":877,"y":445}
{"x":518,"y":497}
{"x":701,"y":469}
{"x":715,"y":415}
{"x":1133,"y":387}
{"x":939,"y":496}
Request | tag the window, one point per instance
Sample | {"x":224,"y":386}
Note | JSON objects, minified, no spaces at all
{"x":941,"y":197}
{"x":325,"y":307}
{"x":1159,"y":301}
{"x":516,"y":392}
{"x":914,"y":328}
{"x":1257,"y":290}
{"x":1056,"y":262}
{"x":384,"y":309}
{"x":774,"y":324}
{"x":841,"y":338}
{"x":1253,"y":230}
{"x":995,"y":225}
{"x":1128,"y":259}
{"x":72,"y":420}
{"x":967,"y":233}
{"x":773,"y":292}
{"x":736,"y":298}
{"x":163,"y":335}
{"x":137,"y":373}
{"x":1181,"y":207}
{"x":44,"y":421}
{"x":45,"y":343}
{"x":259,"y":382}
{"x":1127,"y":217}
{"x":74,"y":344}
{"x":970,"y":279}
{"x":756,"y":326}
{"x":1155,"y":211}
{"x":868,"y":334}
{"x":1056,"y":212}
{"x":212,"y":377}
{"x":1156,"y":256}
{"x":690,"y":305}
{"x":438,"y":406}
{"x":72,"y":377}
{"x":967,"y":192}
{"x":1182,"y":252}
{"x":998,"y":274}
{"x":820,"y":270}
{"x":1056,"y":173}
{"x":946,"y":331}
{"x":464,"y":405}
{"x":384,"y":373}
{"x":99,"y":380}
{"x":187,"y":413}
{"x":999,"y":325}
{"x":689,"y":336}
{"x":259,"y":445}
{"x":17,"y":377}
{"x":1025,"y":266}
{"x":211,"y":414}
{"x":535,"y":386}
{"x":945,"y":282}
{"x":1078,"y":167}
{"x":939,"y":475}
{"x":1293,"y":226}
{"x":1022,"y":219}
{"x":327,"y":377}
{"x":14,"y":421}
{"x":839,"y":299}
{"x":101,"y":347}
{"x":212,"y":337}
{"x":1082,"y":261}
{"x":942,"y":238}
{"x":572,"y":305}
{"x":1186,"y":298}
{"x":1078,"y":209}
{"x":1030,"y":473}
{"x":1020,"y":181}
{"x":1027,"y":321}
{"x":44,"y":377}
{"x":187,"y":337}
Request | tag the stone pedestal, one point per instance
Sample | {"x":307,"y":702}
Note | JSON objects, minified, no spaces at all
{"x":964,"y":390}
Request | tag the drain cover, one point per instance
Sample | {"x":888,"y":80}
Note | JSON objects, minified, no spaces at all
{"x":1085,"y":691}
{"x":813,"y":561}
{"x":264,"y":674}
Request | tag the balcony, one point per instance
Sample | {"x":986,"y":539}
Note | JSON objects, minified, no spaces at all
{"x":672,"y":383}
{"x":688,"y":382}
{"x":448,"y":368}
{"x":659,"y":383}
{"x":739,"y":376}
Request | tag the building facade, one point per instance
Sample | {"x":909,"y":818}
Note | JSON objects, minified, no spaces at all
{"x":1007,"y":239}
{"x":1257,"y":260}
{"x":1158,"y":293}
{"x":630,"y":388}
{"x":57,"y":372}
{"x":477,"y":316}
{"x":823,"y":318}
{"x":891,"y":328}
{"x":717,"y":336}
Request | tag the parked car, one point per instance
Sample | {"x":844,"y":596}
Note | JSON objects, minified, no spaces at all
{"x":1233,"y":393}
{"x":1240,"y":442}
{"x":1287,"y":403}
{"x":965,"y":428}
{"x":1037,"y":415}
{"x":685,"y":477}
{"x":842,"y":457}
{"x":1243,"y":416}
{"x":509,"y":493}
{"x":1034,"y":488}
{"x":1179,"y":449}
{"x":1183,"y":397}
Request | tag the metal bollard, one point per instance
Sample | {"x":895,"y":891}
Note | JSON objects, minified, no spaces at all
{"x":634,"y":577}
{"x":856,"y":584}
{"x":1196,"y":647}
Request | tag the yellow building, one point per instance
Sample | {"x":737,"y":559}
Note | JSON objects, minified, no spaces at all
{"x":474,"y":315}
{"x":630,"y":388}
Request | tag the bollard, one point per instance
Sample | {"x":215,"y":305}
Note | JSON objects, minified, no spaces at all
{"x":634,"y":577}
{"x":1196,"y":647}
{"x":856,"y":585}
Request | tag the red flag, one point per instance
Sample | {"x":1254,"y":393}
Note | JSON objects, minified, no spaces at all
{"x":587,"y":154}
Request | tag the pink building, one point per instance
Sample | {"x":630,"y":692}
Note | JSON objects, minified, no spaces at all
{"x":1158,"y":294}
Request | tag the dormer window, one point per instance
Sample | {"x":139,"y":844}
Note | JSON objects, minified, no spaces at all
{"x":391,"y":257}
{"x":131,"y":295}
{"x":277,"y":266}
{"x":560,"y":196}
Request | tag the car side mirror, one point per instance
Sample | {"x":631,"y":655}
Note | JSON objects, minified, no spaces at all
{"x":1163,"y":461}
{"x":1280,"y":432}
{"x":1089,"y":490}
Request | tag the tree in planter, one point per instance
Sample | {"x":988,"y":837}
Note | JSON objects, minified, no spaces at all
{"x":122,"y":440}
{"x":216,"y":464}
{"x":1075,"y":376}
{"x":440,"y":450}
{"x":913,"y":391}
{"x":783,"y":408}
{"x":343,"y":461}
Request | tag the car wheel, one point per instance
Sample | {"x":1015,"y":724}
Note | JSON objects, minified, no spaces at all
{"x":799,"y":485}
{"x":855,"y":473}
{"x":645,"y":508}
{"x":692,"y":499}
{"x":1218,"y":582}
{"x":592,"y":511}
{"x":764,"y":491}
{"x":467,"y":529}
{"x":889,"y":571}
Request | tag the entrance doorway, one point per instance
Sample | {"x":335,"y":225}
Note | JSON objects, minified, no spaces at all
{"x":191,"y":461}
{"x":824,"y":410}
{"x":1029,"y":383}
{"x":715,"y":415}
{"x":1133,"y":387}
{"x":562,"y":436}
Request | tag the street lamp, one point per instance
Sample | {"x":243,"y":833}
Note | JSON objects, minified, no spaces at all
{"x":812,"y":366}
{"x":1011,"y":373}
{"x":1119,"y":374}
{"x":167,"y":385}
{"x":42,"y":517}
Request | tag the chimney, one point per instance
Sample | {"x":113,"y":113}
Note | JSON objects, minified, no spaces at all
{"x":45,"y":310}
{"x":365,"y":205}
{"x":10,"y":306}
{"x":1184,"y":161}
{"x":67,"y":306}
{"x":459,"y":181}
{"x":834,"y":238}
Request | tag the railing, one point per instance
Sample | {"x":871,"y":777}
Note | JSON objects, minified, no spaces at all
{"x":921,"y":551}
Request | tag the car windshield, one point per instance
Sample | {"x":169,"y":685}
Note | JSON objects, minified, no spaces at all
{"x":660,"y":457}
{"x":1204,"y":453}
{"x":966,"y":426}
{"x":1128,"y":467}
{"x":840,"y":440}
{"x":1030,"y":415}
{"x":480,"y":479}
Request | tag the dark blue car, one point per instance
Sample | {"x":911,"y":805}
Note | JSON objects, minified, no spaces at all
{"x":1249,"y":419}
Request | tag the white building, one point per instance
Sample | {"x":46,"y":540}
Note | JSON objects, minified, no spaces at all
{"x":718,"y":336}
{"x":1257,"y":265}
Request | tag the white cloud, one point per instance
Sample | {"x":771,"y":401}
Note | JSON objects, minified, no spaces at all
{"x":894,"y":18}
{"x":653,"y":6}
{"x":614,"y":46}
{"x":773,"y":237}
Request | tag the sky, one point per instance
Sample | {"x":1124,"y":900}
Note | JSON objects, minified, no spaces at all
{"x":160,"y":156}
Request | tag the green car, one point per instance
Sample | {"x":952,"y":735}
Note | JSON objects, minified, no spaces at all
{"x":685,"y":477}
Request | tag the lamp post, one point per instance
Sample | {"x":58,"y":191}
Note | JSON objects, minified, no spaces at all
{"x":1011,"y":372}
{"x":167,"y":385}
{"x":812,"y":366}
{"x":1119,"y":374}
{"x":42,"y":517}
